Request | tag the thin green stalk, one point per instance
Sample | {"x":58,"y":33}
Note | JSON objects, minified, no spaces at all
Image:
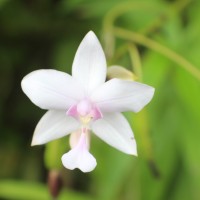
{"x":136,"y":61}
{"x":112,"y":15}
{"x":120,"y":51}
{"x":151,"y":44}
{"x":120,"y":9}
{"x":154,"y":25}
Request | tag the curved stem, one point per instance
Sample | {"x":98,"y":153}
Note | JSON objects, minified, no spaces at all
{"x":120,"y":9}
{"x":117,"y":11}
{"x":120,"y":51}
{"x":151,"y":44}
{"x":136,"y":61}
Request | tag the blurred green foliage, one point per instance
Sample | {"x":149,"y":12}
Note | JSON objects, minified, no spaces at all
{"x":159,"y":41}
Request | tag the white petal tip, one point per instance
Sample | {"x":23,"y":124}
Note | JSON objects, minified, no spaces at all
{"x":131,"y":151}
{"x":24,"y":84}
{"x":152,"y":91}
{"x":133,"y":148}
{"x":91,"y":36}
{"x":148,"y":97}
{"x":134,"y":153}
{"x":35,"y":142}
{"x":38,"y":140}
{"x":32,"y":144}
{"x":91,"y":33}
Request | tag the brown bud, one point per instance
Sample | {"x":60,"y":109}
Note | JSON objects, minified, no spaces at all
{"x":153,"y":167}
{"x":54,"y":183}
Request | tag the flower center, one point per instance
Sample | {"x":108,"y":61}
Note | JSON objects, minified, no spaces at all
{"x":84,"y":108}
{"x":85,"y":111}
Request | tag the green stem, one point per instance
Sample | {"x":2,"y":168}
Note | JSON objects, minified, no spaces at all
{"x":120,"y":51}
{"x":151,"y":44}
{"x":120,"y":9}
{"x":117,"y":11}
{"x":136,"y":61}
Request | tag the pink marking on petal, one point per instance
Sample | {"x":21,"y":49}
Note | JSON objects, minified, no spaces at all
{"x":72,"y":111}
{"x":96,"y":113}
{"x":82,"y":142}
{"x":85,"y":111}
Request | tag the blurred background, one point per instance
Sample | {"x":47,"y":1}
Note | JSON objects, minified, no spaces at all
{"x":159,"y":41}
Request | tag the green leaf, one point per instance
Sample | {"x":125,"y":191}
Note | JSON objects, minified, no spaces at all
{"x":112,"y":171}
{"x":23,"y":190}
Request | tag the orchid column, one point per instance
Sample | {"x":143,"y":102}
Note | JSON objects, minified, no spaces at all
{"x":84,"y":102}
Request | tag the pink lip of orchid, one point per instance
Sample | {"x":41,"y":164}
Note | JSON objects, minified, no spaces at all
{"x":84,"y":101}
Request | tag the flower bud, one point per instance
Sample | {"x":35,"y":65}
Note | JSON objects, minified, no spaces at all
{"x":121,"y":73}
{"x":54,"y":183}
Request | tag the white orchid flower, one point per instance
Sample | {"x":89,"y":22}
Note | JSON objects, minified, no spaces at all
{"x":84,"y":102}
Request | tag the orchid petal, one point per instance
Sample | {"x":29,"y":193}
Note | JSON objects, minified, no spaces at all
{"x":79,"y":157}
{"x":115,"y":130}
{"x":119,"y":95}
{"x":51,"y":89}
{"x":89,"y":66}
{"x":53,"y":125}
